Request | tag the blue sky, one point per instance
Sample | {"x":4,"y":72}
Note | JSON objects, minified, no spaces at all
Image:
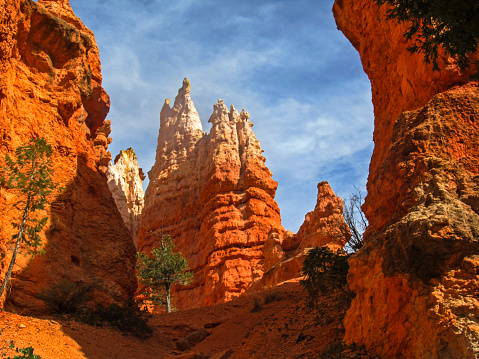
{"x":283,"y":61}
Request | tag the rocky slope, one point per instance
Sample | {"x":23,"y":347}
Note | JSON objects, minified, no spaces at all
{"x":417,"y":275}
{"x":50,"y":86}
{"x":125,"y":181}
{"x":213,"y":194}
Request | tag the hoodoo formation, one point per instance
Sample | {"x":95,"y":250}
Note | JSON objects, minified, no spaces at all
{"x":125,"y":183}
{"x":50,"y":86}
{"x":214,"y":195}
{"x":284,"y":253}
{"x":416,"y":280}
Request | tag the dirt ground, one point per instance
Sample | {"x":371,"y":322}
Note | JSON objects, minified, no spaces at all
{"x":279,"y":325}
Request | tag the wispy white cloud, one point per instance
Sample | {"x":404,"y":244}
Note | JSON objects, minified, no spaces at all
{"x":284,"y":61}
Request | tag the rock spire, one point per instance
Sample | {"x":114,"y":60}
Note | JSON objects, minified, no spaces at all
{"x":125,"y":181}
{"x":214,"y":195}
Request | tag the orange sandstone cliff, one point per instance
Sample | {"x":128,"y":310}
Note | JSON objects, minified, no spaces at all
{"x":416,"y":279}
{"x":214,"y":195}
{"x":50,"y":86}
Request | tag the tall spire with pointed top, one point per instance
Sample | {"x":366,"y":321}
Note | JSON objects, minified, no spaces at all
{"x":180,"y":129}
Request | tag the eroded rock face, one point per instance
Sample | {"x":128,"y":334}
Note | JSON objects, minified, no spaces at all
{"x":214,"y":195}
{"x":50,"y":86}
{"x":416,"y":279}
{"x":125,"y":181}
{"x":284,"y":253}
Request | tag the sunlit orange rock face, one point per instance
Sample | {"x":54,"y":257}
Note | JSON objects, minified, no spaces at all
{"x":416,"y":279}
{"x":214,"y":195}
{"x":50,"y":86}
{"x":284,"y":253}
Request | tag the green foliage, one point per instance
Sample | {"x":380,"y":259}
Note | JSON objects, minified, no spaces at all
{"x":129,"y":318}
{"x":453,"y":25}
{"x":27,"y":353}
{"x":164,"y":269}
{"x":65,"y":297}
{"x":324,"y":271}
{"x":28,"y":175}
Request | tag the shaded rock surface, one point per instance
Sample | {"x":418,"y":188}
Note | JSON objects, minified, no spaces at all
{"x":50,"y":86}
{"x":416,"y":279}
{"x":125,"y":181}
{"x":191,"y":339}
{"x":214,"y":195}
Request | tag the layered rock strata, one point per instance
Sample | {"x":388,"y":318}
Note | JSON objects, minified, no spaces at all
{"x":50,"y":86}
{"x":125,"y":181}
{"x":214,"y":195}
{"x":416,"y":279}
{"x":284,"y":253}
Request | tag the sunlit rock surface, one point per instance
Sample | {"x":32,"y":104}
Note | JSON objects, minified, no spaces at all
{"x":416,"y":279}
{"x":125,"y":181}
{"x":50,"y":86}
{"x":284,"y":253}
{"x":214,"y":195}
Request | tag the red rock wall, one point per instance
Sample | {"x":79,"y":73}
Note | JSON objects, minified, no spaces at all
{"x":416,"y":279}
{"x":214,"y":196}
{"x":50,"y":86}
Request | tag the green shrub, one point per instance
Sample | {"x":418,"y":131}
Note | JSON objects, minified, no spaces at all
{"x":324,"y":271}
{"x":129,"y":318}
{"x":27,"y":353}
{"x":65,"y":297}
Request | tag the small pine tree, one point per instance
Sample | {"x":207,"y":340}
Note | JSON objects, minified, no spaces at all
{"x":160,"y":272}
{"x":453,"y":25}
{"x":28,"y":175}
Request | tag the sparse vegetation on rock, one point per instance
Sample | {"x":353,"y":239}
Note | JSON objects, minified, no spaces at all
{"x":129,"y":318}
{"x":324,"y":270}
{"x":65,"y":297}
{"x":27,"y":352}
{"x":433,"y":24}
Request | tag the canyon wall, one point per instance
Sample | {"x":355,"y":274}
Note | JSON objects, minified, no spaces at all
{"x":125,"y":181}
{"x":213,"y":194}
{"x":50,"y":86}
{"x":416,"y":279}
